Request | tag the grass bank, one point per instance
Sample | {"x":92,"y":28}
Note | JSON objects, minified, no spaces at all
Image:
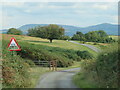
{"x":37,"y":49}
{"x":101,"y":72}
{"x":35,"y":73}
{"x":83,"y":81}
{"x":63,"y":44}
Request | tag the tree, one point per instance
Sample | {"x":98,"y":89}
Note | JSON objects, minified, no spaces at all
{"x":98,"y":36}
{"x":50,"y":32}
{"x":78,"y":36}
{"x":14,"y":31}
{"x":64,"y":38}
{"x":54,"y":32}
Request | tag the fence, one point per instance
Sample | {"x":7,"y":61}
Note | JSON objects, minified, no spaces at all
{"x":51,"y":64}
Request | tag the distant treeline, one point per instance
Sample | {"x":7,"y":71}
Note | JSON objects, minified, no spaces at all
{"x":54,"y":31}
{"x":93,"y":36}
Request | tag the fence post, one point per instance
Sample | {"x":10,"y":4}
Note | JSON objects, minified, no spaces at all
{"x":55,"y":65}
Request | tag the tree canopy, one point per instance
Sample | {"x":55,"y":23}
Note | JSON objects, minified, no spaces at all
{"x":50,"y":32}
{"x":93,"y":36}
{"x":14,"y":31}
{"x":78,"y":36}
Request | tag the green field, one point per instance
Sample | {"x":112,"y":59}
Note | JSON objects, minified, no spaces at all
{"x":114,"y":37}
{"x":63,"y":50}
{"x":56,"y":43}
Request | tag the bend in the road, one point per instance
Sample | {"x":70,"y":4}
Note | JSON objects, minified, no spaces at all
{"x":89,"y":46}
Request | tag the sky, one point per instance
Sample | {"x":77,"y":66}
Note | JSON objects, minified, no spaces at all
{"x":81,"y":14}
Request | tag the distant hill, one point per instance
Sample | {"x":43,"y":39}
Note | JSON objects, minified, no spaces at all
{"x":110,"y":29}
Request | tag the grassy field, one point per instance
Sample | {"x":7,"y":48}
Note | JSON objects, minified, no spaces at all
{"x":114,"y":37}
{"x":36,"y":72}
{"x":56,"y":43}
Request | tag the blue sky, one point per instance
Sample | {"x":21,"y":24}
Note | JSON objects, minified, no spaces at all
{"x":80,"y":14}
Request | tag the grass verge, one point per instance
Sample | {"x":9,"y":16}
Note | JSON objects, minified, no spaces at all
{"x":36,"y":72}
{"x":82,"y":81}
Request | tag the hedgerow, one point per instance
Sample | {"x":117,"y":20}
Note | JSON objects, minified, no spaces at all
{"x":64,"y":57}
{"x":14,"y":69}
{"x":105,"y":69}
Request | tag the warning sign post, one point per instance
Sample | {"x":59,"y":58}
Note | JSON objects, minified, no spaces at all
{"x":13,"y":45}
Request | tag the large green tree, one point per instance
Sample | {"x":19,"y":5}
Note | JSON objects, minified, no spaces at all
{"x":97,"y":36}
{"x":50,"y":32}
{"x":14,"y":31}
{"x":78,"y":36}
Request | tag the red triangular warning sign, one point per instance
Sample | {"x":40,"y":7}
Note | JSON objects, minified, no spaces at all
{"x":13,"y":45}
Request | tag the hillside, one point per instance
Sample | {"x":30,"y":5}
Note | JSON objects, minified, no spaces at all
{"x":111,"y":29}
{"x":38,"y":49}
{"x":45,"y":42}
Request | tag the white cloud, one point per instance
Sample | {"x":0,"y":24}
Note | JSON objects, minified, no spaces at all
{"x":13,"y":4}
{"x":105,"y":6}
{"x":80,"y":12}
{"x":28,"y":11}
{"x":71,"y":12}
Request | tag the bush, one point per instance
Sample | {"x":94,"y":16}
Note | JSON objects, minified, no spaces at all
{"x":36,"y":52}
{"x":104,"y":69}
{"x":106,"y":65}
{"x":14,"y":31}
{"x":64,"y":38}
{"x":30,"y":62}
{"x":70,"y":54}
{"x":95,"y":43}
{"x":15,"y":70}
{"x":84,"y":42}
{"x":84,"y":55}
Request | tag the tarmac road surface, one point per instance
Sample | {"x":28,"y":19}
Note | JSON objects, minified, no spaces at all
{"x":58,"y":79}
{"x":89,"y":46}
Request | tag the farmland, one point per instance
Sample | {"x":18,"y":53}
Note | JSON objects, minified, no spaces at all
{"x":65,"y":52}
{"x":56,"y":43}
{"x":114,"y":37}
{"x":60,"y":50}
